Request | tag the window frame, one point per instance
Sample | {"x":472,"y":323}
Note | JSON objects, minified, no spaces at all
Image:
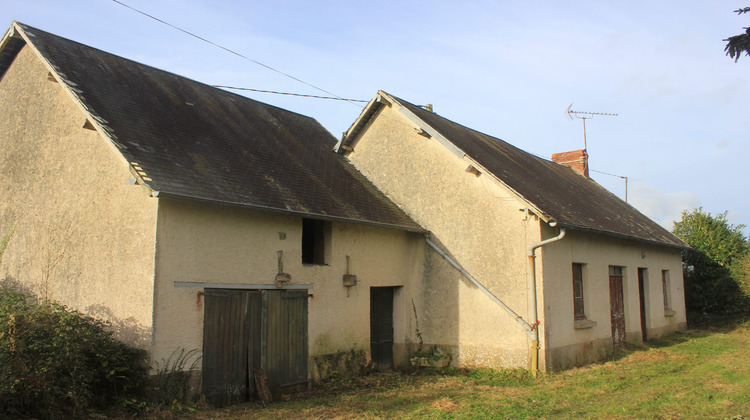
{"x":579,"y":302}
{"x":666,"y":292}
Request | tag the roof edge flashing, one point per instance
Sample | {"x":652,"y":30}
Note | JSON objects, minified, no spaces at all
{"x":427,"y":128}
{"x":351,"y":136}
{"x":22,"y":31}
{"x":9,"y":33}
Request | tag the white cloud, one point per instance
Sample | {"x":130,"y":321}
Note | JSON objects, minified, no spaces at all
{"x":663,"y":207}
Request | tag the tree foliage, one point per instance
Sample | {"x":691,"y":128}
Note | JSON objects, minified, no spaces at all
{"x":714,"y":236}
{"x":738,"y":44}
{"x":741,"y":272}
{"x":714,"y":278}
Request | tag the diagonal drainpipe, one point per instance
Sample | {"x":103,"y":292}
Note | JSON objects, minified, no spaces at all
{"x":481,"y":287}
{"x":531,"y":327}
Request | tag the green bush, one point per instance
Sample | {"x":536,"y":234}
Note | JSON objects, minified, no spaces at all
{"x":711,"y":293}
{"x":715,"y":280}
{"x":59,"y":363}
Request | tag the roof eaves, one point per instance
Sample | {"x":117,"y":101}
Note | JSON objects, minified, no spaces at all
{"x":415,"y":228}
{"x":625,"y":236}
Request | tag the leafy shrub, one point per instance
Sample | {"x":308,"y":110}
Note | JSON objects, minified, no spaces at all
{"x":59,"y":363}
{"x":714,"y":278}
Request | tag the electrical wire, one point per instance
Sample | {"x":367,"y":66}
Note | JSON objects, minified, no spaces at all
{"x":333,"y":96}
{"x":604,"y":173}
{"x":290,"y":94}
{"x":235,"y":53}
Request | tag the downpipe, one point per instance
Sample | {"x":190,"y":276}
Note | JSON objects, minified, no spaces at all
{"x":533,"y":315}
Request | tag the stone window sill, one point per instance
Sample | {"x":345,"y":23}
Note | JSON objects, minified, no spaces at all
{"x":581,"y":324}
{"x":669,"y":312}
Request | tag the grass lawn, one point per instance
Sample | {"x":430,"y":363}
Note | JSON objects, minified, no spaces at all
{"x":695,"y":374}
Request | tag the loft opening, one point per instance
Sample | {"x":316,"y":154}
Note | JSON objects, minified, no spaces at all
{"x":316,"y":241}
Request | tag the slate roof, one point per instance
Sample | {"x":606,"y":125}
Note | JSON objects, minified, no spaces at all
{"x":557,"y":190}
{"x":187,"y":139}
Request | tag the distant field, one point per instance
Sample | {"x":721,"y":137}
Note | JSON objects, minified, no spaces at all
{"x":696,"y":374}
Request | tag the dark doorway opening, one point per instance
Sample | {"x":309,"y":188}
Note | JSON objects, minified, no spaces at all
{"x":381,"y":325}
{"x":642,"y":275}
{"x":315,"y":235}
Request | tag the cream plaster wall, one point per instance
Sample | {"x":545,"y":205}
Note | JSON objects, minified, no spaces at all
{"x":462,"y":211}
{"x":82,"y":237}
{"x":208,"y":243}
{"x":568,"y":346}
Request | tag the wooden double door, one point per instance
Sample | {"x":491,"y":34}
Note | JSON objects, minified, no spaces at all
{"x":245,"y":330}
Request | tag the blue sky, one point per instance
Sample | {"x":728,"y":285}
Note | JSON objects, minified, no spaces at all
{"x":509,"y":69}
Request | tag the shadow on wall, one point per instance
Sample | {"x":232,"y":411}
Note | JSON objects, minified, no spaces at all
{"x":126,"y":330}
{"x":12,"y":284}
{"x":438,"y":318}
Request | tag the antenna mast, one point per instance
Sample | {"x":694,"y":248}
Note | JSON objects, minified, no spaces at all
{"x":583,"y":116}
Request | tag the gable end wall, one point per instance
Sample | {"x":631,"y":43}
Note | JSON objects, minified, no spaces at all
{"x":81,"y":236}
{"x":477,"y":221}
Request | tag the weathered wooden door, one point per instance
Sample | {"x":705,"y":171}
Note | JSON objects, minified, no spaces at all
{"x":231,"y":344}
{"x":381,"y":325}
{"x":642,"y":300}
{"x":285,"y":356}
{"x":244,"y":330}
{"x":617,"y":305}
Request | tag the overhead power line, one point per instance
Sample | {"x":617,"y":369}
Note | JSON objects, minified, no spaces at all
{"x":335,"y":98}
{"x":618,"y":176}
{"x":238,"y":54}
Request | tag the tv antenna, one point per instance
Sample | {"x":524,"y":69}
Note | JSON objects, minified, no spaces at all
{"x":583,"y":116}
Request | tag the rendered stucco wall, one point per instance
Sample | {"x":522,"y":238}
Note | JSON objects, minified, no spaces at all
{"x":568,"y":346}
{"x":476,"y":220}
{"x":208,"y":243}
{"x":81,"y":236}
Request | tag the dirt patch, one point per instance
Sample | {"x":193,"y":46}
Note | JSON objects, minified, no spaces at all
{"x":446,"y":405}
{"x":651,"y":355}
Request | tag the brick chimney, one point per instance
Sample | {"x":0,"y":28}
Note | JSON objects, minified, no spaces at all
{"x":576,"y":159}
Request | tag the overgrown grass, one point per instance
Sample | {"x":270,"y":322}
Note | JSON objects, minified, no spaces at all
{"x":696,"y":374}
